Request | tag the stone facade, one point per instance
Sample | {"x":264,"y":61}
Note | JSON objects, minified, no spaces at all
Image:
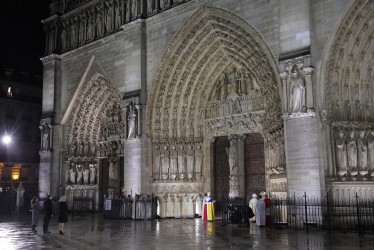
{"x":155,"y":83}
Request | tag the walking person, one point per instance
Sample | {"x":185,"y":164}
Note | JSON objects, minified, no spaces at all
{"x":63,"y":216}
{"x":47,"y":213}
{"x":35,"y":213}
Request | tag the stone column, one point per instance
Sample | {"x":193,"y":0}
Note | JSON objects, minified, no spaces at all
{"x":284,"y":77}
{"x":309,"y":88}
{"x":302,"y":156}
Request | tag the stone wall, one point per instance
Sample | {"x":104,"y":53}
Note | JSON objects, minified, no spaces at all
{"x":131,"y":56}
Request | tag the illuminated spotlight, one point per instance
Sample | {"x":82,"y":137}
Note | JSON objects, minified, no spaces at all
{"x":7,"y":139}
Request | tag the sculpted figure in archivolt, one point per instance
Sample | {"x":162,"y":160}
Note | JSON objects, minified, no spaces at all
{"x":341,"y":154}
{"x":297,"y":91}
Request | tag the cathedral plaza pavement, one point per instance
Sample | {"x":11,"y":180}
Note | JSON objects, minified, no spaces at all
{"x":97,"y":233}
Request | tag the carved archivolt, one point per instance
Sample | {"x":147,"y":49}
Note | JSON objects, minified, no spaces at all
{"x":348,"y":66}
{"x":186,"y":79}
{"x":93,"y":100}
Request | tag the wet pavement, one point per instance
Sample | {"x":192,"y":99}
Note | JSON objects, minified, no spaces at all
{"x":97,"y":233}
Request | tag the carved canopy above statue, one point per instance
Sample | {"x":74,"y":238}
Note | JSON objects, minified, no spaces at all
{"x":210,"y":41}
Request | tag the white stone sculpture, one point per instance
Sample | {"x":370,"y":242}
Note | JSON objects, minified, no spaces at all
{"x":131,"y":118}
{"x":362,"y":154}
{"x":199,"y":156}
{"x":72,"y":173}
{"x":233,"y":156}
{"x":173,"y":163}
{"x":190,"y":157}
{"x":352,"y":153}
{"x":112,"y":173}
{"x":297,"y":91}
{"x":165,"y":163}
{"x":370,"y":143}
{"x":181,"y":162}
{"x":92,"y":173}
{"x":79,"y":169}
{"x":156,"y":162}
{"x":341,"y":154}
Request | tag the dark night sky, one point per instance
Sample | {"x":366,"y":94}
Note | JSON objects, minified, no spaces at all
{"x":22,"y":36}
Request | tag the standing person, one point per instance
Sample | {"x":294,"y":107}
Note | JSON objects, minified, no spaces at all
{"x":252,"y":205}
{"x":47,"y":213}
{"x":267,"y":210}
{"x":63,"y":216}
{"x":35,"y":213}
{"x":208,"y":208}
{"x":260,"y":216}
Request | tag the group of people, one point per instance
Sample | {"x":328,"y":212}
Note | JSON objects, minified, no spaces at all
{"x":261,"y":209}
{"x":48,"y":213}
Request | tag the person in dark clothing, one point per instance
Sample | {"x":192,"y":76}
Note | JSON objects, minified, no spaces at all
{"x":35,"y":212}
{"x":63,"y":216}
{"x":47,"y":213}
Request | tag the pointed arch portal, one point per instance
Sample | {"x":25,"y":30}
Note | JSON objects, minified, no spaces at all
{"x":183,"y":110}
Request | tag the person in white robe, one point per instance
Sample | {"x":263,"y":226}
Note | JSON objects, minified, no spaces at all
{"x":261,"y":215}
{"x":252,"y":205}
{"x":190,"y":207}
{"x":199,"y":205}
{"x":177,"y":206}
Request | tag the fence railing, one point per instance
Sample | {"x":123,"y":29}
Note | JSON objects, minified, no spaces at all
{"x":306,"y":213}
{"x":83,"y":205}
{"x":347,"y":215}
{"x":138,"y":209}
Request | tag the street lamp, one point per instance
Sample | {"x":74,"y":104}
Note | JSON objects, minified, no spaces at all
{"x":6,"y":139}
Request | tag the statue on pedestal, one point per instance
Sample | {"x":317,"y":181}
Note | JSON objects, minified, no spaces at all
{"x":341,"y":154}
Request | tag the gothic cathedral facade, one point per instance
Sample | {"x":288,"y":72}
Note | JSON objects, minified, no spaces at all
{"x":190,"y":96}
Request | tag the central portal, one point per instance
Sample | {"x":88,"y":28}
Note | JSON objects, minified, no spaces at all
{"x":254,"y":166}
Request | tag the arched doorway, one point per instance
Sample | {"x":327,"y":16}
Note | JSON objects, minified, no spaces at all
{"x":188,"y":106}
{"x":93,"y":145}
{"x":348,"y":96}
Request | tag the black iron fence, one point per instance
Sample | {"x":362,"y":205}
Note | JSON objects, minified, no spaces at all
{"x":307,"y":213}
{"x":83,"y":205}
{"x":128,"y":208}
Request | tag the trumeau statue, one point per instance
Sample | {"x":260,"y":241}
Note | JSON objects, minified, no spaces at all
{"x":112,"y":173}
{"x":232,"y":153}
{"x":341,"y":154}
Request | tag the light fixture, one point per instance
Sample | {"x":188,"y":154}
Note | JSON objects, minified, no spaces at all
{"x":7,"y":139}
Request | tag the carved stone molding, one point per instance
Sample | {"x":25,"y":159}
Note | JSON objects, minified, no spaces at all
{"x":177,"y":161}
{"x":347,"y":69}
{"x":244,"y":123}
{"x":298,"y":115}
{"x":176,"y":107}
{"x":87,"y":114}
